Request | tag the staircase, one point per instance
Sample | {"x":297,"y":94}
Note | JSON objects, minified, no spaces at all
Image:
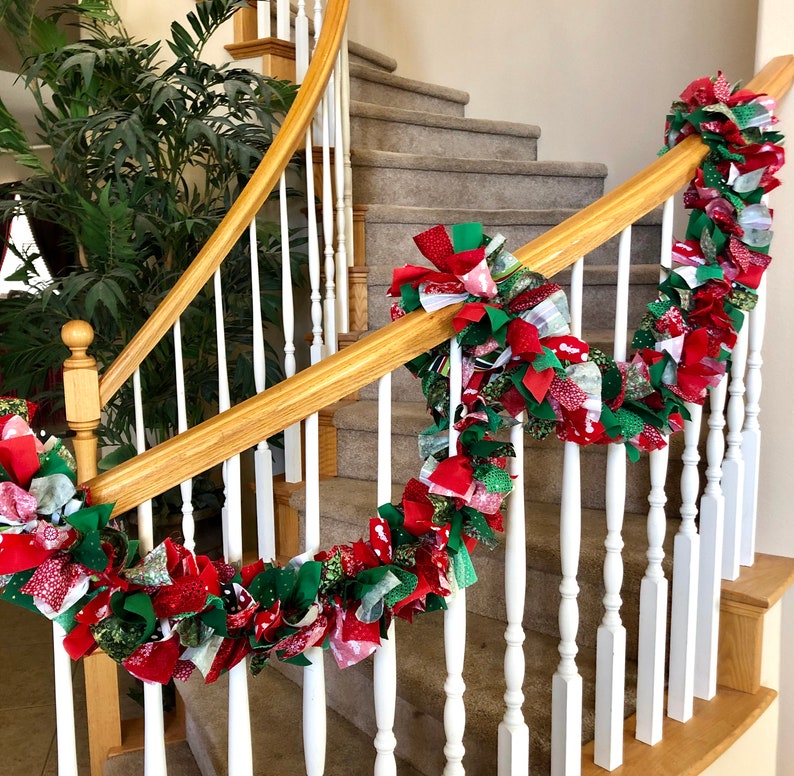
{"x":466,"y":169}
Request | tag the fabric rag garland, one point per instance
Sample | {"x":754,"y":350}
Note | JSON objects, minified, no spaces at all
{"x":167,"y":613}
{"x":518,"y":351}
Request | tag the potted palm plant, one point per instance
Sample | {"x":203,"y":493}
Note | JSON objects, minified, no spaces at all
{"x":149,"y":146}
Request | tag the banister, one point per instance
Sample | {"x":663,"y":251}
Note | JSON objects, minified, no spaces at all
{"x":261,"y":416}
{"x":290,"y":136}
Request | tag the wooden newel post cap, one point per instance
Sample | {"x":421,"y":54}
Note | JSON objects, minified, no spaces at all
{"x":78,"y":336}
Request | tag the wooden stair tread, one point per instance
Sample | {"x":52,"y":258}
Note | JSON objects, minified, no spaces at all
{"x":688,"y":748}
{"x":763,"y":584}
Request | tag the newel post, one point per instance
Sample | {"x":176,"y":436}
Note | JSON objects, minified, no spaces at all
{"x":81,"y":394}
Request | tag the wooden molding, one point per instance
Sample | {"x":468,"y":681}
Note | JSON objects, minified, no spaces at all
{"x":359,"y":235}
{"x":287,"y":542}
{"x":245,"y":25}
{"x":357,"y":295}
{"x":102,"y":709}
{"x":278,"y":56}
{"x":686,"y":749}
{"x":744,"y":603}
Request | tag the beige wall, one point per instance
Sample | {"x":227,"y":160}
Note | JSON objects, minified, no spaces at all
{"x":776,"y":526}
{"x":597,"y":77}
{"x":151,"y":20}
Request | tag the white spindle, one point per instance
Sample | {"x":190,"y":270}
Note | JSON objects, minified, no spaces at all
{"x":653,"y":610}
{"x":566,"y":688}
{"x":314,"y":257}
{"x":513,"y":754}
{"x":712,"y":517}
{"x":342,"y":301}
{"x":314,"y":719}
{"x":611,"y":639}
{"x":651,"y":643}
{"x":186,"y":487}
{"x":64,"y":705}
{"x":751,"y":433}
{"x":263,"y":460}
{"x":263,"y":19}
{"x":733,"y":465}
{"x":301,"y":42}
{"x":318,"y":20}
{"x":686,"y":559}
{"x":292,"y":435}
{"x":328,"y":228}
{"x":283,"y":19}
{"x":343,"y":75}
{"x":566,"y":698}
{"x":666,"y":259}
{"x":153,"y":734}
{"x":385,"y":666}
{"x":239,"y":725}
{"x":455,"y":615}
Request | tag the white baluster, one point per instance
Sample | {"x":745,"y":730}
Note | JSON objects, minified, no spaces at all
{"x":283,"y":19}
{"x":566,"y":687}
{"x":733,"y":465}
{"x":301,"y":42}
{"x":751,"y":433}
{"x":455,"y":614}
{"x":712,"y":517}
{"x":653,"y":610}
{"x":342,"y":301}
{"x":318,"y":20}
{"x":611,"y":639}
{"x":314,"y":257}
{"x":653,"y":588}
{"x":263,"y":19}
{"x":513,"y":757}
{"x":292,"y":435}
{"x":64,"y":705}
{"x":317,"y":127}
{"x":239,"y":725}
{"x":343,"y":75}
{"x":186,"y":487}
{"x":263,"y":460}
{"x":153,"y":733}
{"x":566,"y":697}
{"x":328,"y":228}
{"x":686,"y":558}
{"x":666,"y":259}
{"x":385,"y":665}
{"x":314,"y":715}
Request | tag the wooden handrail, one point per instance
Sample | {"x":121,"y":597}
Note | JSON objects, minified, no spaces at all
{"x":289,"y":138}
{"x":257,"y":418}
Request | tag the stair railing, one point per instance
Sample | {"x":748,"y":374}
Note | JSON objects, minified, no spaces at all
{"x":244,"y":425}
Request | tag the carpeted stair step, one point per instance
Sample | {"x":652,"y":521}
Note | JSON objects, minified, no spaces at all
{"x":436,"y":181}
{"x":276,"y":727}
{"x":370,"y":84}
{"x":347,"y":504}
{"x":366,"y":56}
{"x":419,"y":726}
{"x":390,"y":230}
{"x":386,"y":128}
{"x":599,"y":294}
